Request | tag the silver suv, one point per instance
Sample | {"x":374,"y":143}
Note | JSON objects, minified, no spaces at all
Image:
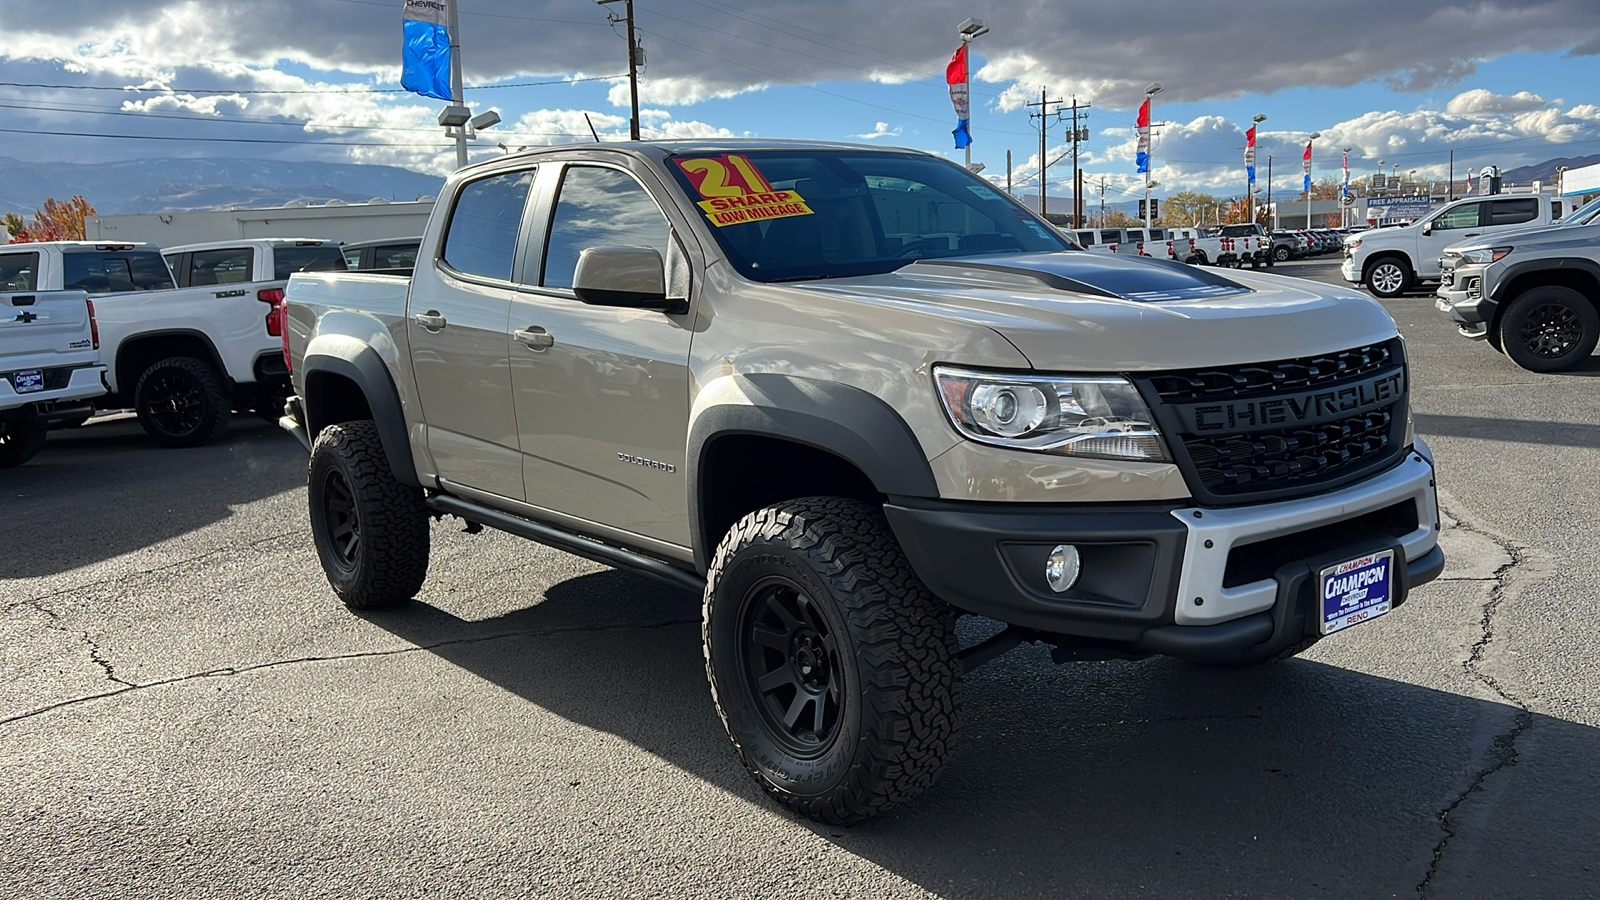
{"x":845,"y":395}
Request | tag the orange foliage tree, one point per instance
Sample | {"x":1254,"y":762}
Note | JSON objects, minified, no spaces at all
{"x":56,"y":221}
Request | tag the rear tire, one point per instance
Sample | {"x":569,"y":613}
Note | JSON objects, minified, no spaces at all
{"x":20,"y":441}
{"x":831,"y":664}
{"x":1387,"y":277}
{"x":180,"y":402}
{"x":371,"y":531}
{"x":1550,"y":329}
{"x":1281,"y":254}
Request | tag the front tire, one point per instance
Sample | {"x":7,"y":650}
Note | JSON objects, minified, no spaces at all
{"x":831,"y":664}
{"x":20,"y":441}
{"x":371,"y":531}
{"x":1550,"y":329}
{"x":1387,"y":277}
{"x":180,"y":402}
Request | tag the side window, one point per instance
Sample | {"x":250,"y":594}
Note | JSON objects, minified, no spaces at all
{"x":1463,"y":216}
{"x":482,"y":238}
{"x":352,"y":257}
{"x":1513,"y":212}
{"x":1086,"y":238}
{"x":19,"y":272}
{"x":115,"y":273}
{"x":596,"y":208}
{"x":321,"y":258}
{"x":394,"y":256}
{"x":230,"y":266}
{"x":1555,"y":210}
{"x":1156,"y":234}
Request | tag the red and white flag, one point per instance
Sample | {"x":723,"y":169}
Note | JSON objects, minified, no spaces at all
{"x":1250,"y":154}
{"x":1144,"y":136}
{"x":955,"y":75}
{"x":1307,"y":166}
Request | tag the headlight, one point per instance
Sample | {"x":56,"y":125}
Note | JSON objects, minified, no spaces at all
{"x":1485,"y":255}
{"x":1353,"y":245}
{"x":1098,"y":416}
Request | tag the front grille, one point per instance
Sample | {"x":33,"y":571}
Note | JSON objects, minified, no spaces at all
{"x":1266,"y":379}
{"x":1251,"y":460}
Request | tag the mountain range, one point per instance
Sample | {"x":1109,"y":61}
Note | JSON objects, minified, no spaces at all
{"x":170,"y":185}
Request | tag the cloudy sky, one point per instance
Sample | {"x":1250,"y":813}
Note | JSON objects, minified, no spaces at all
{"x":1498,"y":82}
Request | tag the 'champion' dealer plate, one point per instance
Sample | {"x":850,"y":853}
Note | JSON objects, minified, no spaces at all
{"x":1357,"y":591}
{"x":26,"y":382}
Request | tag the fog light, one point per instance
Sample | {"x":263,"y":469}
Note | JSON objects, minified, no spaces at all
{"x":1061,"y":568}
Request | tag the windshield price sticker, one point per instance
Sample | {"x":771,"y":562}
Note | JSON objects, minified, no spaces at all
{"x":1357,"y":591}
{"x":734,"y":192}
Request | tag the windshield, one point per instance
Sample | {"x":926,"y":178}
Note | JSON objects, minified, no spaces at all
{"x":1584,"y":214}
{"x":790,"y":215}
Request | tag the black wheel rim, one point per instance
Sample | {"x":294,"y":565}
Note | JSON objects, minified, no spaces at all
{"x":1551,"y":330}
{"x":175,"y":402}
{"x":792,"y":666}
{"x":342,"y":523}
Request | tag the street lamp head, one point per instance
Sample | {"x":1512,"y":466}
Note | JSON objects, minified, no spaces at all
{"x":972,"y":28}
{"x":454,"y":116}
{"x":1348,"y":149}
{"x":1153,"y":89}
{"x":1315,"y":135}
{"x":485,"y":120}
{"x":1151,"y":184}
{"x":1259,"y":118}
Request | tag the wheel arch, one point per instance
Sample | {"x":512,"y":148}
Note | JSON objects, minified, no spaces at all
{"x":138,"y":352}
{"x":1581,"y":275}
{"x":764,"y":438}
{"x":344,"y":383}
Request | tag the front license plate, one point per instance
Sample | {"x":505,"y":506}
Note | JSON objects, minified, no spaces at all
{"x":1357,"y":591}
{"x":29,"y":381}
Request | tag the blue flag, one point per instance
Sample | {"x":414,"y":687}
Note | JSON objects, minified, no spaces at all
{"x":963,"y":136}
{"x":425,"y":52}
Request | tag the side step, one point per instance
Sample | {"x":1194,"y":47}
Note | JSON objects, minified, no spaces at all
{"x":575,"y":544}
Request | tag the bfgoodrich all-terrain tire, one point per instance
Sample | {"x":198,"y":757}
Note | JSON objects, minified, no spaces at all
{"x":831,"y":664}
{"x":180,"y":402}
{"x":1550,"y":329}
{"x":20,"y":441}
{"x":371,"y":531}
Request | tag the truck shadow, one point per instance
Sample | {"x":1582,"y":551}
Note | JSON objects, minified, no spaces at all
{"x":106,"y":489}
{"x":1564,"y":434}
{"x":1099,"y":779}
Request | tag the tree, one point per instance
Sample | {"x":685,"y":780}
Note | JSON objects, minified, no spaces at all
{"x":1187,"y":208}
{"x":55,"y":221}
{"x":1119,"y":219}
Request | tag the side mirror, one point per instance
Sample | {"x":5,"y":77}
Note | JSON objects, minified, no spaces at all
{"x":633,"y":277}
{"x":1427,"y":227}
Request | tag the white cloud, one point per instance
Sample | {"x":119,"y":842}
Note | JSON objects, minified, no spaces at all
{"x":879,"y":130}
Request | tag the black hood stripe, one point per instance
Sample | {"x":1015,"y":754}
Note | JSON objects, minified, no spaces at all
{"x":1129,"y":278}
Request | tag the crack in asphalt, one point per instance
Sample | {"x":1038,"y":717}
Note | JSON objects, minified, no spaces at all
{"x":102,"y":662}
{"x":230,"y":671}
{"x":34,"y":602}
{"x":1502,"y":753}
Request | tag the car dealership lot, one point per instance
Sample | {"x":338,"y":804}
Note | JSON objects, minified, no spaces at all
{"x":186,"y":710}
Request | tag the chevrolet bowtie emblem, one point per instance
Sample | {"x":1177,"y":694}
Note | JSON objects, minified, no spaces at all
{"x":26,"y":316}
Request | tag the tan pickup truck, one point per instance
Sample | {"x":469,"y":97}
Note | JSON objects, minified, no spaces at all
{"x":849,"y":394}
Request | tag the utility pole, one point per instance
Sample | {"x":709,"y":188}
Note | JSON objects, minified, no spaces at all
{"x":1008,"y":173}
{"x":633,"y":63}
{"x":1077,"y":174}
{"x":1450,"y":192}
{"x":1043,"y":115}
{"x":1102,"y":201}
{"x":1272,"y":214}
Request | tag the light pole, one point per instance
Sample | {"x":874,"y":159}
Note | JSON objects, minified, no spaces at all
{"x":973,"y":28}
{"x":1375,"y":186}
{"x":1314,"y":136}
{"x":1272,"y":211}
{"x":1150,"y":93}
{"x":1344,"y":193}
{"x":1250,"y":162}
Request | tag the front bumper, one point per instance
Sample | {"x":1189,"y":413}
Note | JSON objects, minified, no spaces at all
{"x":1210,"y":584}
{"x":1462,"y":296}
{"x":1349,"y":271}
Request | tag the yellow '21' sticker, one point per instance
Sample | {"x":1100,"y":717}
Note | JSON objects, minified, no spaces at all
{"x":734,"y":192}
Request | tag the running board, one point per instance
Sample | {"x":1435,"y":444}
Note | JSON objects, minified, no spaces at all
{"x":569,"y":542}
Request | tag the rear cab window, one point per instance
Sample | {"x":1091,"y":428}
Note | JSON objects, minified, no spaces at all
{"x":115,"y":272}
{"x":288,"y":260}
{"x":19,"y":272}
{"x":1514,"y":211}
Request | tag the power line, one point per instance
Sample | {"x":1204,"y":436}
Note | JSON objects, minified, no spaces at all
{"x":361,"y":90}
{"x":391,"y":6}
{"x":163,"y":137}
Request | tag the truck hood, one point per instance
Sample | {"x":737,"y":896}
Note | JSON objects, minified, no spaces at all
{"x":1078,"y":311}
{"x":1545,"y":236}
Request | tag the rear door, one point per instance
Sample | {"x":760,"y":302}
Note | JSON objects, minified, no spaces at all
{"x":458,"y":313}
{"x":602,"y":393}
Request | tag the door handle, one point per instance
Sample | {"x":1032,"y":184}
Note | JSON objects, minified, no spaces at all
{"x":1473,"y":233}
{"x":430,"y":320}
{"x":535,"y":338}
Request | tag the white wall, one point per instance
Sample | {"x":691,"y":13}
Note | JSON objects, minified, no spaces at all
{"x":358,"y":222}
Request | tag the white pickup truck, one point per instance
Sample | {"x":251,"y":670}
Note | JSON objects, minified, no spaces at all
{"x":183,"y":359}
{"x":1391,"y":261}
{"x":50,"y":368}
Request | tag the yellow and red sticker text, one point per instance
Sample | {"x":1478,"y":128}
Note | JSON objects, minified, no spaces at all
{"x":734,"y":191}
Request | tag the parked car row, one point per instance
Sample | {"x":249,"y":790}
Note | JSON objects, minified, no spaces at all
{"x":1303,"y":243}
{"x":184,"y":336}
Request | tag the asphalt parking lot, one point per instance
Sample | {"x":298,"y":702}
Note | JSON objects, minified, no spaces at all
{"x":186,"y":710}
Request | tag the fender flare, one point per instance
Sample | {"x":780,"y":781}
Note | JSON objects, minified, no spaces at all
{"x":1516,"y":270}
{"x":362,"y":365}
{"x":848,"y":422}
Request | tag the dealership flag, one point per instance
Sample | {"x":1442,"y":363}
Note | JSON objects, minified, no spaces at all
{"x":1144,"y":135}
{"x":425,"y":51}
{"x":1346,"y":188}
{"x":1250,"y":154}
{"x":1469,"y":181}
{"x":1307,"y":166}
{"x":955,"y":75}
